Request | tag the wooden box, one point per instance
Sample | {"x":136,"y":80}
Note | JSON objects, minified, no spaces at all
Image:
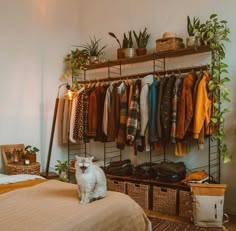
{"x":167,"y":44}
{"x":164,"y":200}
{"x":185,"y":204}
{"x":116,"y":185}
{"x":139,"y":193}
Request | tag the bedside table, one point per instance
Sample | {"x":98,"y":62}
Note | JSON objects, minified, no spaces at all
{"x":13,"y":169}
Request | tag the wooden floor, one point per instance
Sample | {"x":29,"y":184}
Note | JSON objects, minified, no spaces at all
{"x":230,"y":226}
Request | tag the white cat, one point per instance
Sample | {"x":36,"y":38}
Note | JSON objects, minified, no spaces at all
{"x":91,"y":180}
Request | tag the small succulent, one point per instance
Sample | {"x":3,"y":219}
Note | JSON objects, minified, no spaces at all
{"x":192,"y":25}
{"x":93,"y":47}
{"x":141,"y":38}
{"x":128,"y":40}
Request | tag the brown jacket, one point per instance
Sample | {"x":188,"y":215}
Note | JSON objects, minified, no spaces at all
{"x":185,"y":105}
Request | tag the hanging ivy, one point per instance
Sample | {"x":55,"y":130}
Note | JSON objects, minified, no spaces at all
{"x":214,"y":33}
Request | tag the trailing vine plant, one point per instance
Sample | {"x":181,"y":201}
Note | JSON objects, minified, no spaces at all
{"x":76,"y":60}
{"x":214,"y":33}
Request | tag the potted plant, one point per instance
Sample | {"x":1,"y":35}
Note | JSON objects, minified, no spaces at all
{"x":93,"y":49}
{"x":192,"y":26}
{"x":141,"y":40}
{"x":62,"y":168}
{"x":128,"y":45}
{"x":126,"y":49}
{"x":120,"y":50}
{"x":214,"y":33}
{"x":31,"y":153}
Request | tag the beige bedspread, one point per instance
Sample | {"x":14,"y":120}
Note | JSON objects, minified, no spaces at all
{"x":54,"y":206}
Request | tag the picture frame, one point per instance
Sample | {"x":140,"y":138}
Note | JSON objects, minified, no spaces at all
{"x":8,"y":152}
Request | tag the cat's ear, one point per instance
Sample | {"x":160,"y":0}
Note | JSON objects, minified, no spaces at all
{"x":77,"y":157}
{"x":91,"y":158}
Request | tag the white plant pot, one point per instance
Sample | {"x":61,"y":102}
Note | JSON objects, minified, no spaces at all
{"x":190,"y":41}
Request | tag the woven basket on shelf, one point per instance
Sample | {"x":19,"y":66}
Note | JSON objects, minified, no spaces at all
{"x":13,"y":169}
{"x":168,"y":44}
{"x":164,"y":200}
{"x":185,"y":204}
{"x":116,"y":185}
{"x":139,"y":193}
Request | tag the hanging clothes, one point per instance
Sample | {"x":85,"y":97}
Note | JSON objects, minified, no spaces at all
{"x":146,"y":82}
{"x":113,"y":114}
{"x":185,"y":105}
{"x":144,"y":113}
{"x":121,"y":136}
{"x":133,"y":121}
{"x":101,"y":94}
{"x":166,"y":109}
{"x":152,"y":104}
{"x":86,"y":115}
{"x":175,"y":95}
{"x":162,"y":85}
{"x":106,"y":108}
{"x":202,"y":108}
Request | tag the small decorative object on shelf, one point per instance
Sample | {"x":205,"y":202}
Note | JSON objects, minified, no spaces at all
{"x":126,"y":50}
{"x":93,"y":49}
{"x":120,"y":50}
{"x":128,"y":45}
{"x":169,"y":41}
{"x":31,"y":153}
{"x":141,"y":40}
{"x":191,"y":27}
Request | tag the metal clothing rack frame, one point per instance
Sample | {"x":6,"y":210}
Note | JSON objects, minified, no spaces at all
{"x":114,"y":71}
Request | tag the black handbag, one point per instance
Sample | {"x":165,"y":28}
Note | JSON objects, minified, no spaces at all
{"x":144,"y":171}
{"x":170,"y":171}
{"x":120,"y":168}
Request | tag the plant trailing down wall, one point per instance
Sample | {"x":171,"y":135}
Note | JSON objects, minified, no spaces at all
{"x":215,"y":33}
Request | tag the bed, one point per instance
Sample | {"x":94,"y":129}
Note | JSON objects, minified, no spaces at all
{"x":52,"y":205}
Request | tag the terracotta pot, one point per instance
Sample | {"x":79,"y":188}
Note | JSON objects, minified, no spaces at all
{"x":141,"y":51}
{"x":120,"y":53}
{"x":31,"y":157}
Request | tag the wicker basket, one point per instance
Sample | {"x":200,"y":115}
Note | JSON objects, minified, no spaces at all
{"x":13,"y":169}
{"x":139,"y":193}
{"x":164,"y":200}
{"x":117,"y":186}
{"x":167,"y":44}
{"x":185,"y":204}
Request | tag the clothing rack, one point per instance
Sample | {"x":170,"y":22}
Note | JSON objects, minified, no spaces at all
{"x":114,"y":73}
{"x":143,"y":74}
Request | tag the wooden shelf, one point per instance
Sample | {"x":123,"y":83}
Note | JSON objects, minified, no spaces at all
{"x":178,"y":185}
{"x":150,"y":57}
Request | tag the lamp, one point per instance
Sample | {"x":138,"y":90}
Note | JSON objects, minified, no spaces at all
{"x":69,"y":93}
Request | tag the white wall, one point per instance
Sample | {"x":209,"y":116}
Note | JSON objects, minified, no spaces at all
{"x":37,"y":34}
{"x":35,"y":37}
{"x":100,"y":17}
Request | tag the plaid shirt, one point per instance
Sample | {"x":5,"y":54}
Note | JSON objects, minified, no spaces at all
{"x":121,"y":137}
{"x":133,"y":121}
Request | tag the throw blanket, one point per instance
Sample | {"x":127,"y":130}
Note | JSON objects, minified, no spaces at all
{"x":54,"y":205}
{"x":12,"y":182}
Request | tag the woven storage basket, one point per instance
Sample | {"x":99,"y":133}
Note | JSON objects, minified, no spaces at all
{"x":185,"y":204}
{"x":167,"y":44}
{"x":13,"y":169}
{"x":164,"y":200}
{"x":117,"y":186}
{"x":139,"y":193}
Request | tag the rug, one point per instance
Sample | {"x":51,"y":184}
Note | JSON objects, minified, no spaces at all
{"x":166,"y":225}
